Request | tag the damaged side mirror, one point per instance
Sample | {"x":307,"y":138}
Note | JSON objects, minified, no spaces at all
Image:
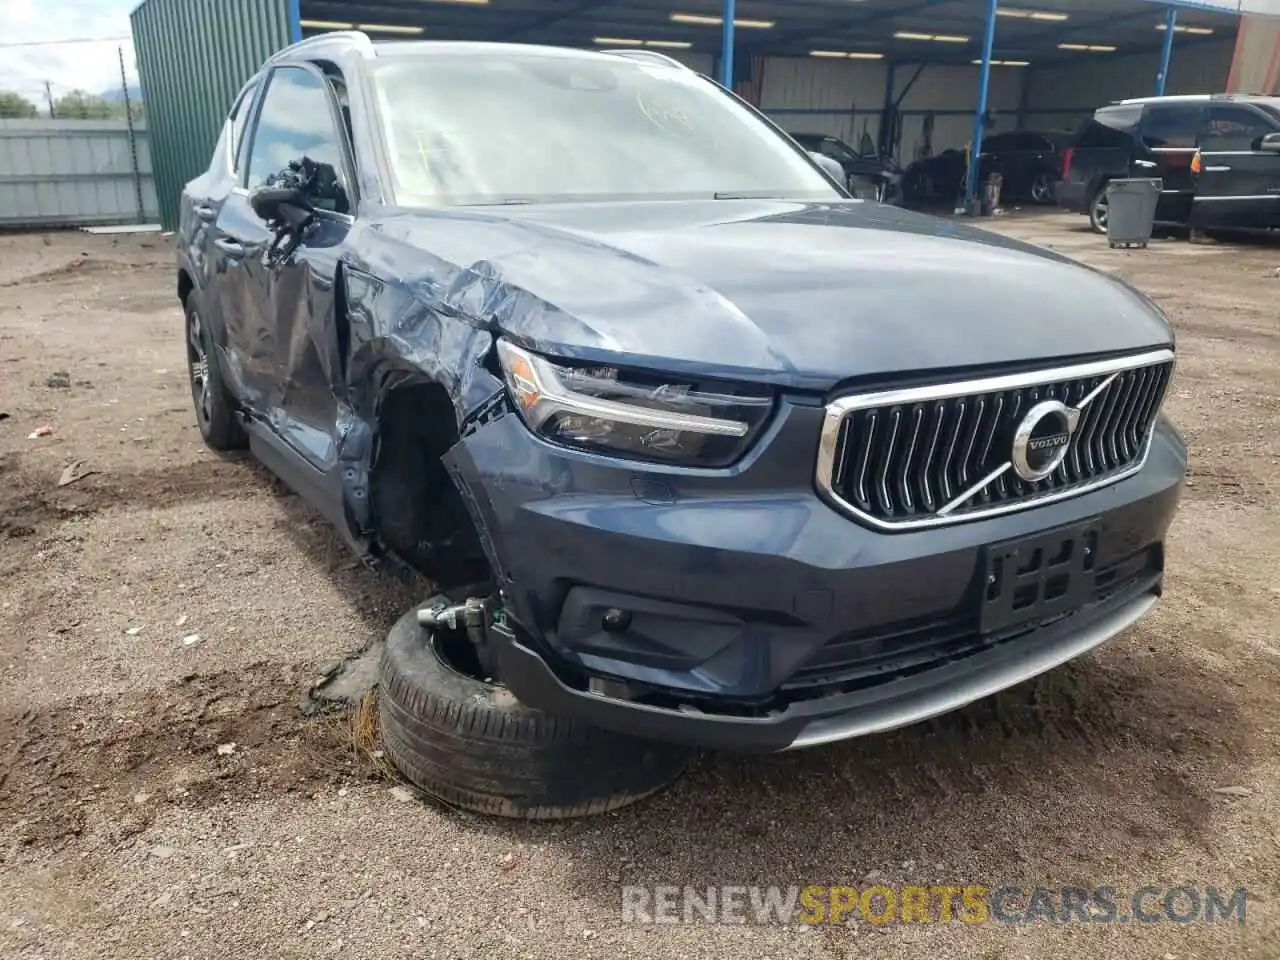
{"x":830,"y":167}
{"x":286,"y":204}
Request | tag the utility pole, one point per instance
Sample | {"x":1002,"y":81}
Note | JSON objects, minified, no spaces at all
{"x":48,"y":95}
{"x":133,"y":139}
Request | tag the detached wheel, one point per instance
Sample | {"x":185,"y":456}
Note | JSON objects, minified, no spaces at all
{"x":1099,"y":210}
{"x":470,"y":743}
{"x":215,"y":413}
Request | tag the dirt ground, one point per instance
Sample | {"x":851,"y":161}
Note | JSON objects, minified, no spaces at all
{"x":171,"y":602}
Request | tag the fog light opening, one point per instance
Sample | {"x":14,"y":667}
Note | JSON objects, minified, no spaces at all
{"x":615,"y":620}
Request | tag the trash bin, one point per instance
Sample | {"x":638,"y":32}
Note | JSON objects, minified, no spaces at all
{"x":1131,"y":211}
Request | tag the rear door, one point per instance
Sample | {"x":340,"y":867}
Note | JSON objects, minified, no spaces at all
{"x":1038,"y":161}
{"x":204,"y":236}
{"x":1238,"y":185}
{"x":1167,"y":144}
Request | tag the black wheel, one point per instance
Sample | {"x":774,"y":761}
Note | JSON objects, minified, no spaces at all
{"x":1042,"y":189}
{"x":1099,"y":208}
{"x":470,"y":743}
{"x":215,"y":413}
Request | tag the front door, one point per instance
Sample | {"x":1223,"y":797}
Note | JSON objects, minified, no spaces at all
{"x":1238,"y":185}
{"x":300,"y":139}
{"x":1167,"y":144}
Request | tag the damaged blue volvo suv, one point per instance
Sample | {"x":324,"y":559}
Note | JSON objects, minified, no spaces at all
{"x":744,"y":462}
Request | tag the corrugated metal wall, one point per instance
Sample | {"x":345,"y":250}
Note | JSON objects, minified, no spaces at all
{"x":1255,"y":67}
{"x":845,"y":97}
{"x":193,"y":57}
{"x":73,"y":173}
{"x":1061,"y":98}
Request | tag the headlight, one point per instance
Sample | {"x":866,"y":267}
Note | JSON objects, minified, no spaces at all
{"x":631,"y":414}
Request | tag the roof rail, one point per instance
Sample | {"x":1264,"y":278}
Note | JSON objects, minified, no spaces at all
{"x":651,"y":55}
{"x":349,"y":39}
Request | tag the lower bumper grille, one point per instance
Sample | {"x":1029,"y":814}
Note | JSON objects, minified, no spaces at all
{"x":933,"y":455}
{"x":870,"y":657}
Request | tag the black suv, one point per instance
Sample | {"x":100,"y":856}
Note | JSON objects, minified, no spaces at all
{"x":716,"y":453}
{"x":1217,"y":155}
{"x":1027,"y":161}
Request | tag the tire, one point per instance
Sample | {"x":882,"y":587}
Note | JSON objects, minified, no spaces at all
{"x":1042,"y":189}
{"x":471,"y":744}
{"x":1099,"y":207}
{"x":215,"y":412}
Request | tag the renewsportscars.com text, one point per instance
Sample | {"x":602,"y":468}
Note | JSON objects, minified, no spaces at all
{"x":817,"y":904}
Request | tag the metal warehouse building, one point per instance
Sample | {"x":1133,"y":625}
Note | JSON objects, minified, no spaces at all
{"x":913,"y":75}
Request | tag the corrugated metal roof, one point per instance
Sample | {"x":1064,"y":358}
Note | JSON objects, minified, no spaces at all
{"x":794,"y":27}
{"x":193,"y":57}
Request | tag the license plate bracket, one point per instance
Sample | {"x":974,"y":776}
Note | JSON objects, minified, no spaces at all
{"x":1036,"y":578}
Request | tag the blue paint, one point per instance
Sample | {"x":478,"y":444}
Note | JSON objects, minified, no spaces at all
{"x":726,"y":51}
{"x":295,"y":21}
{"x":1166,"y":52}
{"x":984,"y":84}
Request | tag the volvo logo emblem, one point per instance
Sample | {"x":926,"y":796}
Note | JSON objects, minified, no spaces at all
{"x":1042,"y":439}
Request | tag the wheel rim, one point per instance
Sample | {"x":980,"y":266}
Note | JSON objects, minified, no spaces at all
{"x":198,"y":365}
{"x":453,"y":649}
{"x":1100,"y":208}
{"x":1040,"y":189}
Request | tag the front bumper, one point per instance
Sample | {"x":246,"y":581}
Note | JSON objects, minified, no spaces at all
{"x":808,"y":723}
{"x":739,"y":586}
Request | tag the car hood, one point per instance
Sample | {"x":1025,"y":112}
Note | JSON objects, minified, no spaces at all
{"x":784,"y":292}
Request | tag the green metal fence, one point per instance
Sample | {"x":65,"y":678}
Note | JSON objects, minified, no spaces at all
{"x":193,"y":57}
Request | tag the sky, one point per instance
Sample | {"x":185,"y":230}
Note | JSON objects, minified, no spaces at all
{"x":89,"y":66}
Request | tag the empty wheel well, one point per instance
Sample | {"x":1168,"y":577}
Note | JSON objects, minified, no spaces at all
{"x":418,"y":512}
{"x":185,"y":286}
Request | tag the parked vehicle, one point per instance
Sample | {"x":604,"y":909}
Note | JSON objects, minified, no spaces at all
{"x":1027,"y":161}
{"x":1159,"y":137}
{"x":704,"y":451}
{"x":867,"y":174}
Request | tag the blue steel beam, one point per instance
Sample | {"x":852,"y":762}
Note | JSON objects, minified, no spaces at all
{"x":727,"y":30}
{"x":1166,"y":52}
{"x":980,"y":117}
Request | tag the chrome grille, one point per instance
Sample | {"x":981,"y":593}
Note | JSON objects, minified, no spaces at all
{"x":932,"y":455}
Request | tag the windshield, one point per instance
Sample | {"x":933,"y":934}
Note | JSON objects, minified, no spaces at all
{"x":485,"y":128}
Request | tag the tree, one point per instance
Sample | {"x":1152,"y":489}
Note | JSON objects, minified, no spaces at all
{"x":79,"y":105}
{"x":14,"y":106}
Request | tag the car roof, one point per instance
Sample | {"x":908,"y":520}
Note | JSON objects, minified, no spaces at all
{"x":353,"y":42}
{"x":1203,"y":98}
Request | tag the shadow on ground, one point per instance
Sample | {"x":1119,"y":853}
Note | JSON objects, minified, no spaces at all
{"x":1057,"y":780}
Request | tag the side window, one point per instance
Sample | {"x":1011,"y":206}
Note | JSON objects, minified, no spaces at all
{"x":1171,"y":125}
{"x":1000,"y":143}
{"x":239,"y":120}
{"x":297,"y":139}
{"x":220,"y":164}
{"x":1233,"y":127}
{"x":1110,"y":126}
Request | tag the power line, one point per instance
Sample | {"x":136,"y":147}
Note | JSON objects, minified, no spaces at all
{"x":49,"y":43}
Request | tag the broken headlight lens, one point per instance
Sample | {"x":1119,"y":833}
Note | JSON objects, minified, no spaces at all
{"x":631,"y":414}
